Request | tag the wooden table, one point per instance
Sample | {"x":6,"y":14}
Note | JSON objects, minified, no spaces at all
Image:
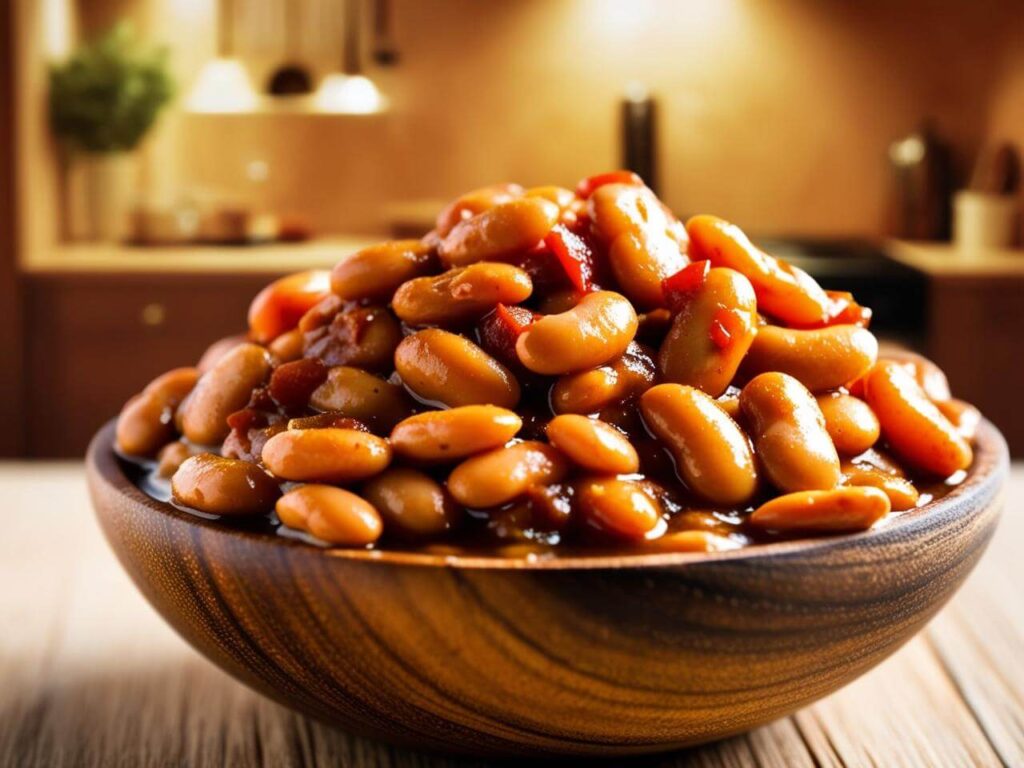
{"x":90,"y":675}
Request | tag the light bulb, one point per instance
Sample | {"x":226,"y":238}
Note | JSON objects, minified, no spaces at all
{"x":349,"y":94}
{"x":223,"y":85}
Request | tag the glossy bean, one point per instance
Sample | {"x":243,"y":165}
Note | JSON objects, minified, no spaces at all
{"x":789,"y":434}
{"x":711,"y":453}
{"x":820,"y":359}
{"x":146,"y":422}
{"x":329,"y":455}
{"x":640,"y":261}
{"x":442,"y":367}
{"x":837,"y":510}
{"x":413,"y":505}
{"x":593,"y":444}
{"x":850,"y":422}
{"x":783,"y":291}
{"x":691,"y":541}
{"x":560,"y":196}
{"x":375,"y":272}
{"x":901,"y":492}
{"x":617,"y":209}
{"x":912,"y":424}
{"x":221,"y":486}
{"x":622,"y":508}
{"x":964,"y":416}
{"x":595,"y":331}
{"x":171,"y":457}
{"x":218,"y":349}
{"x":928,"y":375}
{"x":288,"y":346}
{"x":461,"y":295}
{"x":279,"y":306}
{"x":619,"y":380}
{"x":498,"y":476}
{"x":360,"y":395}
{"x":454,"y":433}
{"x":711,"y":333}
{"x":474,"y":202}
{"x":505,"y":229}
{"x":221,"y":391}
{"x":331,"y":514}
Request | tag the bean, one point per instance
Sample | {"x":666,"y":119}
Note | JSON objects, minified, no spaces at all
{"x":473,"y":203}
{"x":279,"y":306}
{"x":454,"y":433}
{"x":221,"y":391}
{"x":931,"y":378}
{"x":560,"y":196}
{"x":731,"y":405}
{"x":595,"y":331}
{"x":711,"y":452}
{"x":821,"y":359}
{"x":964,"y":416}
{"x":443,"y":367}
{"x":498,"y":476}
{"x":146,"y":423}
{"x":218,"y":349}
{"x":789,"y":434}
{"x":413,"y":505}
{"x":590,"y":391}
{"x":462,"y":294}
{"x":221,"y":486}
{"x":836,"y":510}
{"x":593,"y":444}
{"x":691,"y":541}
{"x":901,"y":492}
{"x":911,"y":423}
{"x":617,"y":209}
{"x":640,"y":261}
{"x":331,"y":514}
{"x":711,"y":333}
{"x":288,"y":346}
{"x":360,"y":395}
{"x":783,"y":291}
{"x":171,"y":457}
{"x":363,"y":337}
{"x":375,"y":272}
{"x":622,"y":508}
{"x":558,"y":301}
{"x":329,"y":455}
{"x":850,"y":422}
{"x":505,"y":229}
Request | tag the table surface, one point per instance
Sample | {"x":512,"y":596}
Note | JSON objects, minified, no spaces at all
{"x":90,"y":675}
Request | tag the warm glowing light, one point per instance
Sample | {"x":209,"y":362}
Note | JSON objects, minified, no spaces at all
{"x":223,"y":86}
{"x":349,"y":94}
{"x":57,"y":28}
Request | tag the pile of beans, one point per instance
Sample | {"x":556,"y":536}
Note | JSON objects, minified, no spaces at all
{"x":549,"y":371}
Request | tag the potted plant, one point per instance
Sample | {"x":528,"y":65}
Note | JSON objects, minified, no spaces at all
{"x":103,"y":100}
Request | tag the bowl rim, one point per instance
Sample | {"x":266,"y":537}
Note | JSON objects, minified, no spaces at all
{"x":988,"y":470}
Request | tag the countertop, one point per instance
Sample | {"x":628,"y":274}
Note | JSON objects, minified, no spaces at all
{"x":933,"y":259}
{"x":92,"y":676}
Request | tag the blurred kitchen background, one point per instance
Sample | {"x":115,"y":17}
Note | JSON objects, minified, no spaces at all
{"x":161,"y":160}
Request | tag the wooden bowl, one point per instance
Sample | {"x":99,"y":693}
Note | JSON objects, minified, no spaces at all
{"x":599,"y":656}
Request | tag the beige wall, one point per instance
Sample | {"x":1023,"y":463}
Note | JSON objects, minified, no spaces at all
{"x":777,"y":113}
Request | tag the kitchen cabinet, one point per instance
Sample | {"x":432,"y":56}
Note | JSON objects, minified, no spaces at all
{"x":95,"y":339}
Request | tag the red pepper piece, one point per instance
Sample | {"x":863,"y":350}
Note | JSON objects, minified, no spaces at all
{"x":500,"y":329}
{"x":678,"y":287}
{"x":587,"y":186}
{"x":725,"y":326}
{"x":574,"y":255}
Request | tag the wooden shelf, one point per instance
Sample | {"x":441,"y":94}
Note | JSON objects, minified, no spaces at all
{"x":194,"y":259}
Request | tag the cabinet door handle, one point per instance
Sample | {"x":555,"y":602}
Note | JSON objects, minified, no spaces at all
{"x":153,"y":314}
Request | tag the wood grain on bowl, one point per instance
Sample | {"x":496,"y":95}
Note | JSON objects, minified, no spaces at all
{"x":598,"y":656}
